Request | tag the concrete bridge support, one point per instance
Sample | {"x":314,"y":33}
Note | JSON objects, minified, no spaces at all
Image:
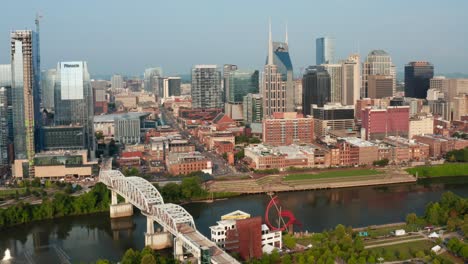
{"x":119,"y":210}
{"x":156,"y":240}
{"x":178,"y":249}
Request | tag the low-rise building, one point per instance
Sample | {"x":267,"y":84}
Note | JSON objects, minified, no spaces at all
{"x":355,"y":151}
{"x":420,"y":125}
{"x":58,"y":164}
{"x":332,"y":117}
{"x":185,"y":163}
{"x":439,"y":145}
{"x":261,"y":157}
{"x":406,"y":150}
{"x":246,"y":235}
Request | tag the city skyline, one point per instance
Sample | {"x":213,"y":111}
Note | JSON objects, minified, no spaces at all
{"x":171,"y":44}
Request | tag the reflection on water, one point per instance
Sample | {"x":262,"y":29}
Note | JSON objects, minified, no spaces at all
{"x":88,"y":238}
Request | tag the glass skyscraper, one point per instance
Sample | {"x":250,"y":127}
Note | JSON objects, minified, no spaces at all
{"x":3,"y":127}
{"x":47,"y":89}
{"x":417,"y":78}
{"x":316,"y":88}
{"x":324,"y":50}
{"x":74,"y":99}
{"x":153,"y":81}
{"x":378,"y":62}
{"x":241,"y":83}
{"x":25,"y":94}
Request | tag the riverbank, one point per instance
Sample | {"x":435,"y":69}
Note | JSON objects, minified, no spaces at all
{"x":444,"y":170}
{"x":278,"y":183}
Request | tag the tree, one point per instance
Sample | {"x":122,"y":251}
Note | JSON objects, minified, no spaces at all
{"x":463,"y":252}
{"x":191,"y":187}
{"x":411,"y":219}
{"x":148,"y":259}
{"x":131,"y":257}
{"x":286,"y":259}
{"x":275,"y":256}
{"x":289,"y":241}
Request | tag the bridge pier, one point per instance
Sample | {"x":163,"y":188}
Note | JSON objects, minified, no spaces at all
{"x":156,"y":240}
{"x":178,"y":249}
{"x":119,"y":210}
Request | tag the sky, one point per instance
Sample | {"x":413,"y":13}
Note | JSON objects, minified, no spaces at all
{"x":121,"y":36}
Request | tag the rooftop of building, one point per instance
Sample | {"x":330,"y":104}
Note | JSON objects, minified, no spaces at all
{"x":174,"y":158}
{"x":378,"y":53}
{"x":330,"y":106}
{"x":292,"y":151}
{"x":238,"y":214}
{"x":52,"y":153}
{"x":112,"y":117}
{"x":358,"y":142}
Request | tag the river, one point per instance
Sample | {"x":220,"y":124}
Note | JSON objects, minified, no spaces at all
{"x":88,"y":238}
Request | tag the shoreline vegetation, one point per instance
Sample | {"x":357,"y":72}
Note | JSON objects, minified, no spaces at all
{"x":347,"y":245}
{"x":443,"y":170}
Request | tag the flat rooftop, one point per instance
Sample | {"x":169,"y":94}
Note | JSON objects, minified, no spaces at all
{"x":113,"y":117}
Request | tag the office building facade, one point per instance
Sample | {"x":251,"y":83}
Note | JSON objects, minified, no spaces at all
{"x":316,"y":88}
{"x":206,"y":87}
{"x":278,"y":82}
{"x":324,"y":50}
{"x":171,"y":86}
{"x":73,"y":97}
{"x":351,"y":77}
{"x":117,"y":82}
{"x":288,"y":128}
{"x":336,"y":81}
{"x":47,"y":89}
{"x":378,"y":62}
{"x":153,"y":81}
{"x":379,"y":123}
{"x":379,"y":86}
{"x":25,"y":71}
{"x":3,"y":127}
{"x":253,"y":108}
{"x":417,"y":78}
{"x":332,"y":117}
{"x":239,"y":83}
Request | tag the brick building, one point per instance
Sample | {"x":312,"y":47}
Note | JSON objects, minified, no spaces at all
{"x":378,"y":123}
{"x":185,"y":163}
{"x":355,"y":151}
{"x":439,"y":145}
{"x":288,"y":128}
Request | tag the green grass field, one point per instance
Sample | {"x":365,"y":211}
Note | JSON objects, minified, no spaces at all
{"x":331,"y":174}
{"x":404,"y":250}
{"x":448,"y":169}
{"x":5,"y":193}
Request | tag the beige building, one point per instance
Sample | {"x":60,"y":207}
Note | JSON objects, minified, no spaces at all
{"x":351,"y":87}
{"x":128,"y":101}
{"x":58,"y":164}
{"x":421,"y":125}
{"x":380,"y":86}
{"x":336,"y":73}
{"x":460,"y":107}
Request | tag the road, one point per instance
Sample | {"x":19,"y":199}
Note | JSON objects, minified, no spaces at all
{"x":220,"y":165}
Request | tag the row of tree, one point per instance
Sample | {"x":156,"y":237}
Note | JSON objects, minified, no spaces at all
{"x":457,"y":155}
{"x":145,"y":256}
{"x":458,"y":247}
{"x":451,"y":210}
{"x":62,"y":204}
{"x":189,"y":189}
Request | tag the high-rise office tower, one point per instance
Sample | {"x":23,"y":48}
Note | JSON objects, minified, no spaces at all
{"x":227,"y":69}
{"x":74,"y":99}
{"x":47,"y":89}
{"x":277,"y":81}
{"x":315,"y":88}
{"x":240,"y":83}
{"x":417,"y":78}
{"x":377,"y":62}
{"x":379,"y":86}
{"x":324,"y":50}
{"x":5,"y":81}
{"x":336,"y":81}
{"x":351,"y":80}
{"x":253,"y":108}
{"x":153,"y":81}
{"x":3,"y":127}
{"x":171,"y":86}
{"x":117,"y":82}
{"x":25,"y":71}
{"x":206,"y":87}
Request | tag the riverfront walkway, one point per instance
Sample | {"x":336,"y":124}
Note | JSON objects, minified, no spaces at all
{"x":275,"y":183}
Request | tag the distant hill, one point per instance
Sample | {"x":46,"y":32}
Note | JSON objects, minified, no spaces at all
{"x":401,"y":75}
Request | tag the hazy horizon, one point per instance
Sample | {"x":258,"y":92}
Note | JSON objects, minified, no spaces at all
{"x":117,"y":37}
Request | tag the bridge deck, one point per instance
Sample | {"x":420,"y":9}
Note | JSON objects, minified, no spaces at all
{"x":217,"y":254}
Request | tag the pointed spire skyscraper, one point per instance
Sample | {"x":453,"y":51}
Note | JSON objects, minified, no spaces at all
{"x":278,"y":84}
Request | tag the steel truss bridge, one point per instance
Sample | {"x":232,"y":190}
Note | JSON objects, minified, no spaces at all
{"x":172,"y":217}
